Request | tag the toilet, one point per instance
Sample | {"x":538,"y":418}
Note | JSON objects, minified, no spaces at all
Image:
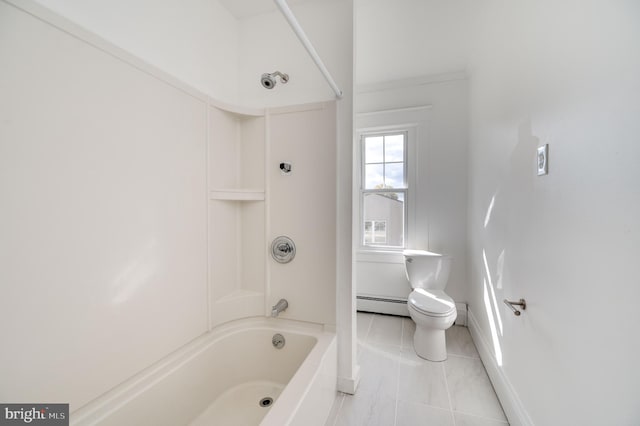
{"x":430,"y":307}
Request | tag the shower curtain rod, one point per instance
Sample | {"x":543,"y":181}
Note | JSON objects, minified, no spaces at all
{"x":295,"y":26}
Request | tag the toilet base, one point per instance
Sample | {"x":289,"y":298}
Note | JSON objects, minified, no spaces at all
{"x":430,"y":343}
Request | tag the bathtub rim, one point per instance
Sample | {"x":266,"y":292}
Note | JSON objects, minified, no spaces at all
{"x":293,"y":396}
{"x":111,"y":401}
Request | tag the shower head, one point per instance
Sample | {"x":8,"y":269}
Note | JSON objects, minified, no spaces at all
{"x":269,"y":80}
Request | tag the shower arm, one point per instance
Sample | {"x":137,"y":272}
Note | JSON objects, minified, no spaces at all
{"x":295,"y":26}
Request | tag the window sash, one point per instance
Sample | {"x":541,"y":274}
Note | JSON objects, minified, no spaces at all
{"x":404,"y":190}
{"x":374,"y":230}
{"x":364,"y":163}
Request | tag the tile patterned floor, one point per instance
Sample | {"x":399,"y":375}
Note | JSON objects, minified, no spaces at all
{"x":397,"y":388}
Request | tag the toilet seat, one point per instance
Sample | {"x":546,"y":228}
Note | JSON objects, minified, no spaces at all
{"x":434,"y":303}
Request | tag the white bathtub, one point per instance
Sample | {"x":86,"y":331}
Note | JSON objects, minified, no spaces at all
{"x":220,"y":378}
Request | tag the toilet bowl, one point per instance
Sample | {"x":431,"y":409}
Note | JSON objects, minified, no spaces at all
{"x":430,"y":307}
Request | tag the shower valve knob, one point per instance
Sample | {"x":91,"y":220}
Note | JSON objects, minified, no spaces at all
{"x":283,"y":249}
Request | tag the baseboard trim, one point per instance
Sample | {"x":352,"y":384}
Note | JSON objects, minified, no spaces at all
{"x":511,"y":403}
{"x":349,"y":384}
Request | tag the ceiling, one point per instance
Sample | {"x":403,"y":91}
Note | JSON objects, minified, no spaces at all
{"x":245,"y":8}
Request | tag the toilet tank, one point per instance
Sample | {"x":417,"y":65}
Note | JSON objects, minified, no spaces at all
{"x":426,"y":269}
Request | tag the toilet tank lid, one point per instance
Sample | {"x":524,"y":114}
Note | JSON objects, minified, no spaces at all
{"x":432,"y":303}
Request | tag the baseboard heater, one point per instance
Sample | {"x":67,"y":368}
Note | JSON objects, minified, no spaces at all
{"x":382,"y":305}
{"x":385,"y":305}
{"x":381,"y":299}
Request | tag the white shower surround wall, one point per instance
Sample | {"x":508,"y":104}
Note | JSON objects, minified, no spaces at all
{"x":234,"y":45}
{"x":176,"y":390}
{"x":165,"y":313}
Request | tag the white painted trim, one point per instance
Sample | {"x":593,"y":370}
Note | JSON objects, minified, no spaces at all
{"x":414,"y":120}
{"x":209,"y":225}
{"x":394,"y":110}
{"x":411,"y":82}
{"x":350,"y":384}
{"x":411,"y":147}
{"x":511,"y":404}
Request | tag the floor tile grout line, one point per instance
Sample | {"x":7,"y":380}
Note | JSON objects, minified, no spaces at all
{"x":395,"y":414}
{"x":384,"y":338}
{"x":437,"y":407}
{"x":467,"y":413}
{"x":446,"y":385}
{"x":335,"y":419}
{"x":493,"y":419}
{"x":366,"y":336}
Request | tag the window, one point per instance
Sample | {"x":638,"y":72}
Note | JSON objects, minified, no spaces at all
{"x":384,"y":189}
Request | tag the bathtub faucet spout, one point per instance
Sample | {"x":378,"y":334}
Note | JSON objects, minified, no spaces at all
{"x":282,"y":305}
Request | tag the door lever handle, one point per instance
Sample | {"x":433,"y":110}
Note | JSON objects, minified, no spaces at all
{"x":512,"y":305}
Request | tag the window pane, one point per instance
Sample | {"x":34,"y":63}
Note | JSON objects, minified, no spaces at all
{"x":394,"y":148}
{"x":373,"y":176}
{"x":368,"y":233}
{"x":394,"y":175}
{"x":380,"y":232}
{"x":384,"y":219}
{"x":373,"y":152}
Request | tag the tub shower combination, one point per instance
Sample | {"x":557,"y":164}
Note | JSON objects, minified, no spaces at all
{"x":183,"y":333}
{"x":263,"y":371}
{"x":252,"y":371}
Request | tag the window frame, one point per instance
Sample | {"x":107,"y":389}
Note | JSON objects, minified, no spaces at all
{"x":405,"y":190}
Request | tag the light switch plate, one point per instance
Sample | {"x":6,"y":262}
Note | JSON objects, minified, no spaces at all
{"x":543,"y":160}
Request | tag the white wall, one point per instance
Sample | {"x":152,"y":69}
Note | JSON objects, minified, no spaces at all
{"x":103,"y":201}
{"x":563,"y":73}
{"x":567,"y":74}
{"x":440,"y":188}
{"x":411,"y":53}
{"x":400,"y":39}
{"x":196,"y":41}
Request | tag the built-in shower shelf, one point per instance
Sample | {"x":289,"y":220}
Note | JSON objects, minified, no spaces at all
{"x":237,"y":194}
{"x":239,"y":294}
